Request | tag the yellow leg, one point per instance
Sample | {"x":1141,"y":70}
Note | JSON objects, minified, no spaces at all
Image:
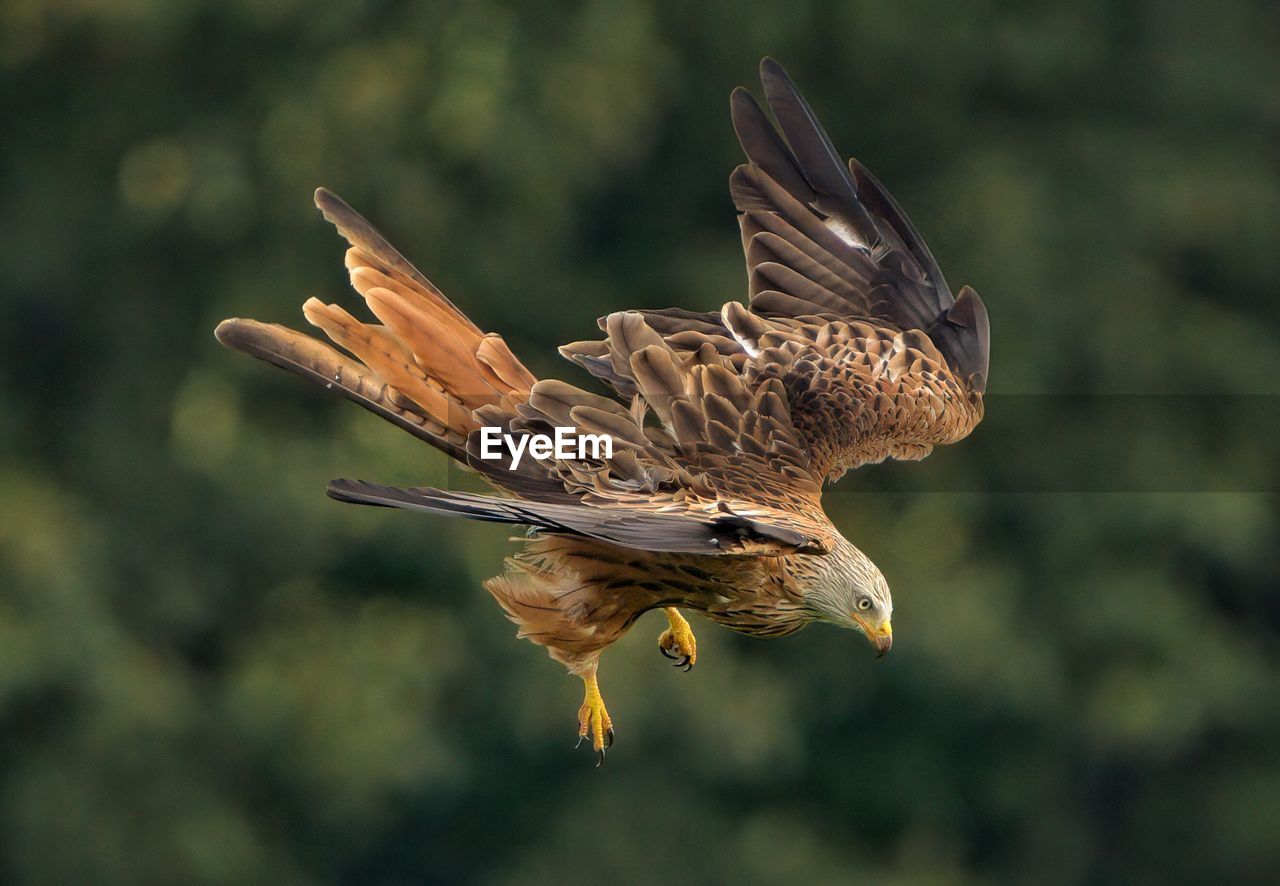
{"x":593,"y":719}
{"x":677,"y":641}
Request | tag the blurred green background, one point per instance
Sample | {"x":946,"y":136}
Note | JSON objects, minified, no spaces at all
{"x":210,"y":673}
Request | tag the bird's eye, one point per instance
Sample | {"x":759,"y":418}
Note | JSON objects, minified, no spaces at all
{"x":864,"y":603}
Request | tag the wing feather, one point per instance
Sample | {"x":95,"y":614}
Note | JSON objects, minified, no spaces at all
{"x":851,"y":328}
{"x":851,"y":349}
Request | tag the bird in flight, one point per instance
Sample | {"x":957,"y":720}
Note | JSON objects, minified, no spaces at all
{"x":724,"y":424}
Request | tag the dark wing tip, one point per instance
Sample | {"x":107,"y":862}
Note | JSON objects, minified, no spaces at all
{"x":239,"y":334}
{"x":769,"y":67}
{"x":966,"y":335}
{"x":362,"y":492}
{"x":774,"y":75}
{"x":743,"y":107}
{"x":326,"y":198}
{"x":225,"y":332}
{"x":343,"y":489}
{"x":338,"y":213}
{"x":976,"y":319}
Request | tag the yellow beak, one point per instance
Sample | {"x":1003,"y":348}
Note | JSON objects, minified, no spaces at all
{"x":880,"y":637}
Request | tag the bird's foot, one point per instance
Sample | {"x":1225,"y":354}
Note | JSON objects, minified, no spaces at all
{"x":677,"y":642}
{"x":593,"y":719}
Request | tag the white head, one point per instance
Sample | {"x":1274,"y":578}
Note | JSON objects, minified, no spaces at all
{"x":845,"y":588}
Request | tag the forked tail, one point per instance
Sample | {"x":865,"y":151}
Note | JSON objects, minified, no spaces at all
{"x":426,"y":367}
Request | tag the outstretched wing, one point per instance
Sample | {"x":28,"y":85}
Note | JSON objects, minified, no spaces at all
{"x":678,"y":482}
{"x":701,"y":462}
{"x":852,"y":350}
{"x":813,"y":230}
{"x":848,"y":308}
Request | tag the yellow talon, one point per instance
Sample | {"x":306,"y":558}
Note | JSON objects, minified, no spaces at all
{"x":677,"y":642}
{"x":593,"y":719}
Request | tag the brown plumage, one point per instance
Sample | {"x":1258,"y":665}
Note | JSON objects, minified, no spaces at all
{"x":852,"y":349}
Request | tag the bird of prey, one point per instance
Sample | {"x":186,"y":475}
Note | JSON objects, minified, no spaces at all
{"x":725,"y":424}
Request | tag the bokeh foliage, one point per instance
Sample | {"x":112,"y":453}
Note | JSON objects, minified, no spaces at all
{"x":209,"y":673}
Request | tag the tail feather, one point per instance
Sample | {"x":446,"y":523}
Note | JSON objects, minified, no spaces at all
{"x":319,"y":362}
{"x":381,"y":254}
{"x":388,"y":359}
{"x":425,"y":367}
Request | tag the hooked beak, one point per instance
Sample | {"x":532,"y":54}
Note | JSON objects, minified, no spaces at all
{"x":879,"y":637}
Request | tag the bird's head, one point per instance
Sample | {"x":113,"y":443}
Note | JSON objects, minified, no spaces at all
{"x":845,"y":588}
